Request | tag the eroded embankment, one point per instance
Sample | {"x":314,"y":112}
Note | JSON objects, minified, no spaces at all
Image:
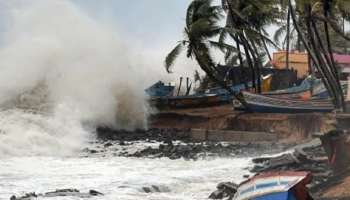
{"x":222,"y":122}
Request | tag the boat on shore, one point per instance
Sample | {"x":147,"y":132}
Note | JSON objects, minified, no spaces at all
{"x":162,"y":96}
{"x":267,"y":104}
{"x":286,"y":185}
{"x":190,"y":101}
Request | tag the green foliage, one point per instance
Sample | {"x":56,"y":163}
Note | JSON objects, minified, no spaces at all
{"x":171,"y":57}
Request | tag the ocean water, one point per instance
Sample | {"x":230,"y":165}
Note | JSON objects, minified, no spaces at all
{"x":63,"y":71}
{"x":118,"y":177}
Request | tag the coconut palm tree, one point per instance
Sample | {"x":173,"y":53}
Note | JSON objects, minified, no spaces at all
{"x":314,"y":12}
{"x":201,"y":25}
{"x":245,"y":24}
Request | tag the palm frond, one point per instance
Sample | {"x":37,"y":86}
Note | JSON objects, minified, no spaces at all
{"x":197,"y":77}
{"x":257,"y":35}
{"x":223,"y":46}
{"x":223,"y":35}
{"x":231,"y":58}
{"x":203,"y":28}
{"x":171,"y":57}
{"x":278,"y":33}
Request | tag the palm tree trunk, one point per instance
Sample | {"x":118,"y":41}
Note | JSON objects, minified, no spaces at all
{"x":249,"y":60}
{"x":299,"y":44}
{"x":307,"y":47}
{"x":288,"y":39}
{"x":320,"y":46}
{"x":255,"y":54}
{"x":332,"y":21}
{"x":323,"y":65}
{"x":326,"y":9}
{"x":265,"y":46}
{"x":243,"y":75}
{"x":323,"y":58}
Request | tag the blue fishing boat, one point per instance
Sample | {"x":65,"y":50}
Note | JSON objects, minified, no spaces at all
{"x":267,"y":104}
{"x":321,"y":91}
{"x":275,"y":186}
{"x":305,"y":85}
{"x":159,"y":89}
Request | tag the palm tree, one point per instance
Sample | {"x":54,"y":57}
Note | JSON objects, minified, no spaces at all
{"x":201,"y":25}
{"x":245,"y":24}
{"x":314,"y":12}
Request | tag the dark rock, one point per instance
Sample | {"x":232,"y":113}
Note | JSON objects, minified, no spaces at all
{"x":155,"y":189}
{"x":246,"y":176}
{"x":228,"y":187}
{"x":95,"y":193}
{"x":93,"y":151}
{"x":108,"y":144}
{"x":58,"y":193}
{"x":27,"y":196}
{"x":147,"y":189}
{"x":218,"y":194}
{"x":224,"y":190}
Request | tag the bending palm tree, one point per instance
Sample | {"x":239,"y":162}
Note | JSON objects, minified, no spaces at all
{"x":201,"y":25}
{"x":313,"y":11}
{"x":246,"y":21}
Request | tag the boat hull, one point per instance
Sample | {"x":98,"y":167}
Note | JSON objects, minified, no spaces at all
{"x":285,"y":185}
{"x":193,"y":101}
{"x":268,"y":104}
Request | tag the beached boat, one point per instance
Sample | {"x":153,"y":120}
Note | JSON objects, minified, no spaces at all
{"x":321,"y":91}
{"x":304,"y":86}
{"x":159,"y":89}
{"x":161,"y":95}
{"x":190,"y":101}
{"x":265,"y":87}
{"x":275,"y":186}
{"x":268,"y":104}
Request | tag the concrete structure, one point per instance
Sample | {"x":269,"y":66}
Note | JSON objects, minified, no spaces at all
{"x":232,"y":136}
{"x":297,"y":60}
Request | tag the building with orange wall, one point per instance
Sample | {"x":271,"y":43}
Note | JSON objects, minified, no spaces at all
{"x":297,"y":60}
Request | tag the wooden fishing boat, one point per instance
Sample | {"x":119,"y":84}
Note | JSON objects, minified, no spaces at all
{"x":268,"y":104}
{"x":190,"y":101}
{"x":304,"y":86}
{"x":321,"y":91}
{"x":298,"y":95}
{"x":159,"y":89}
{"x":285,"y":185}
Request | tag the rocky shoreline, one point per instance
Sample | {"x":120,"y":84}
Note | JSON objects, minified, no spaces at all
{"x":163,"y":143}
{"x":58,"y":193}
{"x":174,"y":144}
{"x":309,"y":157}
{"x":169,"y":143}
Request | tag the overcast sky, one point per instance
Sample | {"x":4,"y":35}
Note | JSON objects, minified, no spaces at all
{"x":149,"y":22}
{"x":152,"y":27}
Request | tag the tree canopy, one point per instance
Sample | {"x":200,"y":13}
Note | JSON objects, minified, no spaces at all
{"x":311,"y":25}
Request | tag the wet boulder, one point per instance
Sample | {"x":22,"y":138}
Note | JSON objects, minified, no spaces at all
{"x":155,"y":189}
{"x":95,"y":193}
{"x":225,"y":190}
{"x":27,"y":196}
{"x":58,"y":193}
